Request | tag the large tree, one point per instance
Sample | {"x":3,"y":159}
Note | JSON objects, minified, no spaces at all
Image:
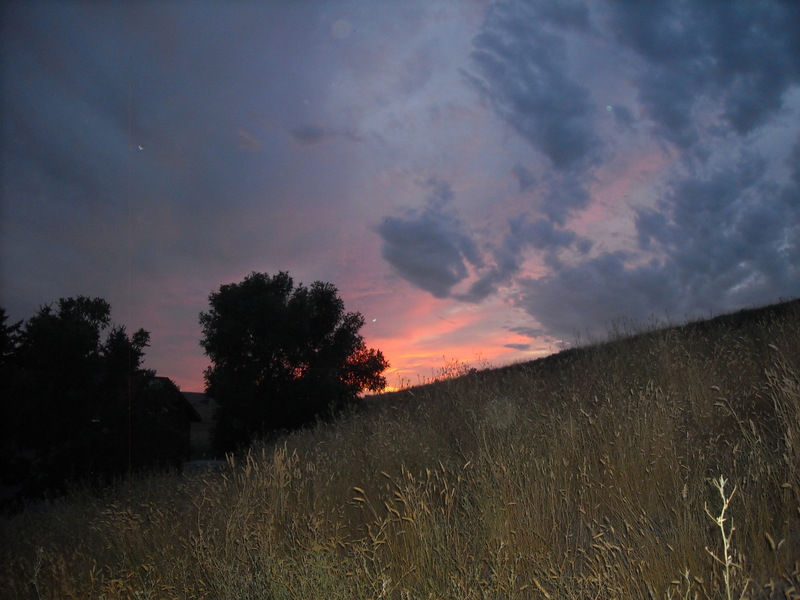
{"x":282,"y":355}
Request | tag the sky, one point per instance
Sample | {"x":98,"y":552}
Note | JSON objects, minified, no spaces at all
{"x":486,"y":182}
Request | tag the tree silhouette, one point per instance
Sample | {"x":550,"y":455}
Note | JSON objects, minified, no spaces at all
{"x":9,"y":340}
{"x":73,"y":395}
{"x":282,"y":355}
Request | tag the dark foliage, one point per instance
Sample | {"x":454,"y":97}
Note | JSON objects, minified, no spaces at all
{"x":282,"y":356}
{"x":74,"y":399}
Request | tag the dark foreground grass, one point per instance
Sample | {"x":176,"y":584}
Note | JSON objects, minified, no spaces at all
{"x":662,"y":465}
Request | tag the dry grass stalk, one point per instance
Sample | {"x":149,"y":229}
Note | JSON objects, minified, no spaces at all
{"x":580,"y":476}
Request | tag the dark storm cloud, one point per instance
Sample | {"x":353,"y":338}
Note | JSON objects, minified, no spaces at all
{"x":722,"y":237}
{"x":726,"y":239}
{"x":623,"y":117}
{"x":430,"y":248}
{"x":569,"y":14}
{"x":540,"y":235}
{"x":588,"y":297}
{"x":743,"y":55}
{"x":525,"y":178}
{"x":521,"y":67}
{"x":531,"y":332}
{"x":565,"y":194}
{"x":558,"y":195}
{"x":733,"y":231}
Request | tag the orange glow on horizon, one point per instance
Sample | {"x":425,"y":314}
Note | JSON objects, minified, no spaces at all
{"x":437,"y":336}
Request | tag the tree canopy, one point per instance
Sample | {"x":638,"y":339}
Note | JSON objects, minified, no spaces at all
{"x":282,"y":356}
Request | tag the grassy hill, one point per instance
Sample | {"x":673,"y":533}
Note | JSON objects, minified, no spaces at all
{"x":658,"y":465}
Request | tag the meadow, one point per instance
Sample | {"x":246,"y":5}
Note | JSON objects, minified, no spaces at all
{"x":662,"y":463}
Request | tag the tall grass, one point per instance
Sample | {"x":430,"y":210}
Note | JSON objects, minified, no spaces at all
{"x":602,"y":472}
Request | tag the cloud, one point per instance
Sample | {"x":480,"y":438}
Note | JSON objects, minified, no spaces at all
{"x":522,"y":234}
{"x":430,"y":248}
{"x":623,"y":117}
{"x":723,"y":231}
{"x":742,"y":56}
{"x":527,"y":331}
{"x":525,"y":178}
{"x":587,"y":297}
{"x":522,"y":347}
{"x":726,"y":230}
{"x":565,"y":194}
{"x":723,"y":239}
{"x":569,"y":14}
{"x":520,"y":66}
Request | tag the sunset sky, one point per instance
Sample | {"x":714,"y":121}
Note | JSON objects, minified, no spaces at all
{"x":483,"y":181}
